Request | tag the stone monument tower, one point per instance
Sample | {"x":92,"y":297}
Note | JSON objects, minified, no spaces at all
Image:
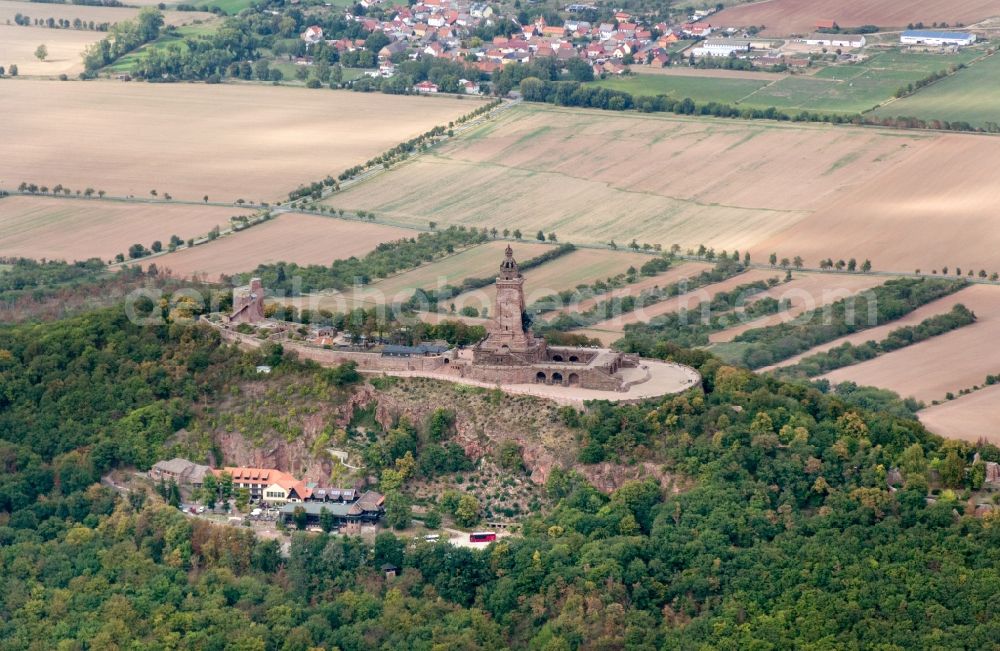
{"x":509,"y":340}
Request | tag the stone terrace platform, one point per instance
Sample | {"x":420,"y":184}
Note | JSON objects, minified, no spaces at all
{"x":651,"y":379}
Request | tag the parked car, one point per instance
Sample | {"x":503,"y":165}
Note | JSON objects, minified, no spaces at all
{"x":201,"y":509}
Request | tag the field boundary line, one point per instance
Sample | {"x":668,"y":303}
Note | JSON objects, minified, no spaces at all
{"x":121,"y":199}
{"x":378,"y":170}
{"x":757,"y":90}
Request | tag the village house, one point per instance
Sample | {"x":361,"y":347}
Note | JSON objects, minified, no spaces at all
{"x":425,"y":87}
{"x":469,"y":87}
{"x":313,"y":34}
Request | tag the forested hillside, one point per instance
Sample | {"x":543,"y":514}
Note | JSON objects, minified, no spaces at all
{"x":789,"y":534}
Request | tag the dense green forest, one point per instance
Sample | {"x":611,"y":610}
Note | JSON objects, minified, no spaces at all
{"x":785,"y":533}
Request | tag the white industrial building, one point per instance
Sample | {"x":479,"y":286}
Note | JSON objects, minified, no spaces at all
{"x":924,"y":37}
{"x":722,"y":47}
{"x":836,"y":40}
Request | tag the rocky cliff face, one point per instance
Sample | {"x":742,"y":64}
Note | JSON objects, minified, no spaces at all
{"x":484,"y":420}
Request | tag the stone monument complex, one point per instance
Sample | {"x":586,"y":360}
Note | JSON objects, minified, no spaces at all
{"x":510,"y":356}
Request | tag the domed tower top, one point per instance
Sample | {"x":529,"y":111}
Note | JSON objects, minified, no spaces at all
{"x":508,"y":268}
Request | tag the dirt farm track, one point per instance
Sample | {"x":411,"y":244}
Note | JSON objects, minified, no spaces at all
{"x":226,"y":141}
{"x":785,"y":17}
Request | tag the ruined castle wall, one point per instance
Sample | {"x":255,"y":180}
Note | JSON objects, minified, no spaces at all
{"x":365,"y":361}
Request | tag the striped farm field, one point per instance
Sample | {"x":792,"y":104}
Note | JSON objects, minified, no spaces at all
{"x":674,"y":274}
{"x":947,"y":363}
{"x":616,"y":325}
{"x":806,"y":292}
{"x":597,"y":176}
{"x":291,"y":237}
{"x":77,"y":229}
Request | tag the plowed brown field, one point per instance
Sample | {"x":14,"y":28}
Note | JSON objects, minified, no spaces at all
{"x":304,"y":239}
{"x":970,"y":417}
{"x":934,"y":209}
{"x":785,"y":17}
{"x":226,"y":141}
{"x":77,"y":229}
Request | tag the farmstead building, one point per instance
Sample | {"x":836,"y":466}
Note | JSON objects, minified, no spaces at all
{"x":722,"y":47}
{"x":836,"y":40}
{"x":925,"y":37}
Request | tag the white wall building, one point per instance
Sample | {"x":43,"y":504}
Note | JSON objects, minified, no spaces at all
{"x":836,"y":40}
{"x":925,"y":37}
{"x":722,"y":47}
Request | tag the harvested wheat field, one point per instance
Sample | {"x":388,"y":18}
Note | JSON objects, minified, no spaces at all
{"x":786,"y":17}
{"x":672,"y":275}
{"x":687,"y":301}
{"x":225,"y":141}
{"x":934,"y":209}
{"x":947,"y":363}
{"x":17,"y":46}
{"x":37,"y":10}
{"x":805,"y":293}
{"x":76,"y":229}
{"x":971,"y":417}
{"x":291,"y":237}
{"x":596,"y":176}
{"x":582,"y":266}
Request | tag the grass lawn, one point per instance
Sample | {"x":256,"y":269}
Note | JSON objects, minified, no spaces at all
{"x":679,"y":46}
{"x":700,"y":89}
{"x":854,"y":88}
{"x":229,"y":6}
{"x":128,"y":62}
{"x":971,"y":95}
